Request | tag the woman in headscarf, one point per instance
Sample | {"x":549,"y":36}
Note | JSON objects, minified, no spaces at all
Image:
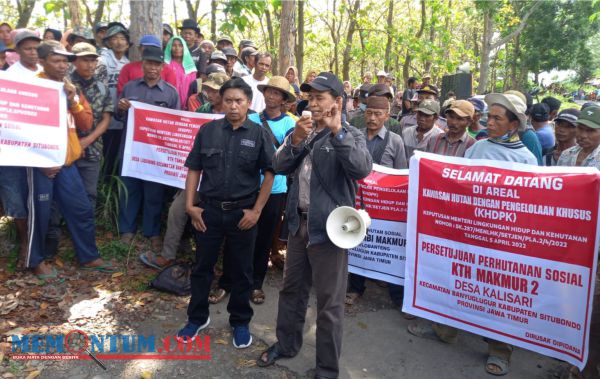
{"x":310,"y":76}
{"x":5,"y":36}
{"x":292,"y":76}
{"x":52,"y":34}
{"x":179,"y":58}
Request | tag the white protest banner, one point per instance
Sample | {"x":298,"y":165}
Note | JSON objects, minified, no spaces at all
{"x":33,"y":122}
{"x":158,"y":142}
{"x":381,"y":255}
{"x":504,"y":250}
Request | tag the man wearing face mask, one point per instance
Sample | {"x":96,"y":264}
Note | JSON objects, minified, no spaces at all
{"x":326,"y":159}
{"x":383,"y":91}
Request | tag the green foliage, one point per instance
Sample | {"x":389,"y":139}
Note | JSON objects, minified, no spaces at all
{"x":107,"y":210}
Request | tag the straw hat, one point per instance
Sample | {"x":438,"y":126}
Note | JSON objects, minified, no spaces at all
{"x":281,"y":84}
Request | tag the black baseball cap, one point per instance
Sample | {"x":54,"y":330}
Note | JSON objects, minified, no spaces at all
{"x":153,"y":53}
{"x":540,"y":112}
{"x":380,"y":90}
{"x":325,"y":81}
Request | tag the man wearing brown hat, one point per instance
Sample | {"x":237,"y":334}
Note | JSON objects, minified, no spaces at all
{"x":456,"y":140}
{"x":417,"y":137}
{"x":383,"y":91}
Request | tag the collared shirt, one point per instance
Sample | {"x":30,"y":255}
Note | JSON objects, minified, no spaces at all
{"x":440,"y":144}
{"x":162,"y":94}
{"x":101,"y":102}
{"x":394,"y":155}
{"x":569,"y":157}
{"x":412,"y":143}
{"x":230,"y":160}
{"x":359,"y":122}
{"x":18,"y":70}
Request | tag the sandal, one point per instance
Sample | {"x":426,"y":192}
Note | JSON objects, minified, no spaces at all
{"x":272,"y":354}
{"x":258,"y":297}
{"x":105,"y":267}
{"x":149,"y":259}
{"x":52,"y":277}
{"x":498,"y":362}
{"x":216,"y":295}
{"x":351,"y":298}
{"x":423,"y":331}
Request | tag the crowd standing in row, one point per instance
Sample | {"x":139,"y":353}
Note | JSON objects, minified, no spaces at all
{"x":263,"y":156}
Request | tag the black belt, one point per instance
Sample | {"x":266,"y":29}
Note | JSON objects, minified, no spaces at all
{"x":303,"y":215}
{"x":229,"y":205}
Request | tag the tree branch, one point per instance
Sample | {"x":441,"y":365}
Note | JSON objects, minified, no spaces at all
{"x":518,"y":30}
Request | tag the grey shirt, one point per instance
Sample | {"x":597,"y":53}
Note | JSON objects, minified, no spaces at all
{"x":394,"y":155}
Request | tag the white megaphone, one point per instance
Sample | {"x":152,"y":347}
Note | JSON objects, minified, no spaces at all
{"x":347,"y":227}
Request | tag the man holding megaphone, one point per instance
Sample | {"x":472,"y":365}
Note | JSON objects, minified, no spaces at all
{"x":326,"y":159}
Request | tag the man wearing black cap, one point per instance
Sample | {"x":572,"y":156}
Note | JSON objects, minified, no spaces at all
{"x":378,"y":90}
{"x":231,"y":60}
{"x":565,"y":130}
{"x":26,"y":44}
{"x":326,"y":159}
{"x":190,"y":32}
{"x":540,"y":114}
{"x":150,"y":89}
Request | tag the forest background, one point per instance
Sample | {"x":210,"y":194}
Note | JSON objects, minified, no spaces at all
{"x":507,"y":44}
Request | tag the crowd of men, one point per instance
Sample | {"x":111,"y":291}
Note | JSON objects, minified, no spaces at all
{"x":264,"y":155}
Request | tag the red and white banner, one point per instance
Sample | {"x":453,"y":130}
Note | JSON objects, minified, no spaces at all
{"x":504,"y":250}
{"x":158,"y":142}
{"x":33,"y":122}
{"x":382,"y":254}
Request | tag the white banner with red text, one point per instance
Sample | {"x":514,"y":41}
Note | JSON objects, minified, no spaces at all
{"x":158,"y":142}
{"x":382,"y":254}
{"x":504,"y":250}
{"x":33,"y":122}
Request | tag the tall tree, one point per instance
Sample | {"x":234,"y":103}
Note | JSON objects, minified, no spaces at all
{"x":408,"y":57}
{"x":388,"y":46}
{"x":213,"y":20}
{"x":300,"y":45}
{"x":25,"y":8}
{"x":287,"y":35}
{"x":346,"y":57}
{"x":97,"y":13}
{"x":192,"y":8}
{"x":74,"y":13}
{"x":148,"y":20}
{"x":489,"y":8}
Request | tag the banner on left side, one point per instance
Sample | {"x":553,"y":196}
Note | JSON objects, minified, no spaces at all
{"x":33,"y":122}
{"x":158,"y":142}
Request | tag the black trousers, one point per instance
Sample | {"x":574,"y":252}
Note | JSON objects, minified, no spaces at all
{"x":267,"y":223}
{"x":222,"y":225}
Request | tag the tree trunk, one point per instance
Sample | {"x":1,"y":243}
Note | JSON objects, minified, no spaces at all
{"x":287,"y":35}
{"x":407,"y":59}
{"x":97,"y":13}
{"x":274,"y":65}
{"x":300,"y":45}
{"x":74,"y":13}
{"x":346,"y":58}
{"x":388,"y":47}
{"x":25,"y":8}
{"x":486,"y":36}
{"x":147,"y":20}
{"x":213,"y":20}
{"x":514,"y":63}
{"x":192,"y":9}
{"x":428,"y":63}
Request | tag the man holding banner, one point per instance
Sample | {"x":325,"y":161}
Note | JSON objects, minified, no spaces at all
{"x":149,"y":196}
{"x":230,"y":153}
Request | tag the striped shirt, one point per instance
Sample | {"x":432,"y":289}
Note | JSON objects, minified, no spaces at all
{"x":440,"y":144}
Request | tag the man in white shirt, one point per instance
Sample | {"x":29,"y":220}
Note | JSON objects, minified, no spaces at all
{"x":26,"y":44}
{"x":263,"y":66}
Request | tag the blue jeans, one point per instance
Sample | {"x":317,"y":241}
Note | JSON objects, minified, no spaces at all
{"x":141,"y":193}
{"x":68,"y":191}
{"x":13,"y":191}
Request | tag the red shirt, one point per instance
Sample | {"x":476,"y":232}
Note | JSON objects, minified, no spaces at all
{"x":133,"y":70}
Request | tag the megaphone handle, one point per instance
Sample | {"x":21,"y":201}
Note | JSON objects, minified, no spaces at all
{"x":362,"y":200}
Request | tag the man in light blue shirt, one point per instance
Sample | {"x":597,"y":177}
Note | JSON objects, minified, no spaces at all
{"x":540,"y":114}
{"x":276,"y":92}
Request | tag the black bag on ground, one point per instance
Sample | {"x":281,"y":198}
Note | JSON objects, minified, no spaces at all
{"x":174,"y":279}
